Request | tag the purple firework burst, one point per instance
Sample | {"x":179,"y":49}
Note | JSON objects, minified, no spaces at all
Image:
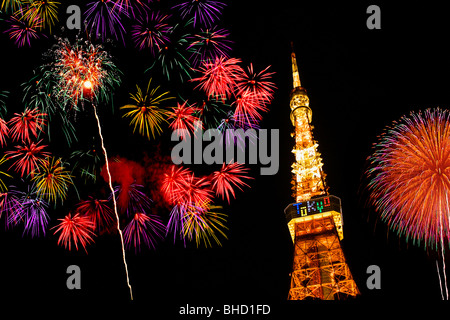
{"x":204,"y":12}
{"x":143,"y":228}
{"x":151,"y":31}
{"x":103,"y":18}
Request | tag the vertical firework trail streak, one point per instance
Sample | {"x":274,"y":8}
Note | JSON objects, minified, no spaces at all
{"x":114,"y":200}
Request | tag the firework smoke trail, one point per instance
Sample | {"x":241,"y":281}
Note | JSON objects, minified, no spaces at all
{"x":114,"y":200}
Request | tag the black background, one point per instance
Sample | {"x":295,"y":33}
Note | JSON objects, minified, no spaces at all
{"x":358,"y":81}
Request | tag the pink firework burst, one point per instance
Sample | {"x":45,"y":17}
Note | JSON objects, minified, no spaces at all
{"x":22,"y":30}
{"x":26,"y":124}
{"x":143,"y":228}
{"x":219,"y":77}
{"x":27,"y":157}
{"x":77,"y":230}
{"x":230,"y":176}
{"x":183,"y":118}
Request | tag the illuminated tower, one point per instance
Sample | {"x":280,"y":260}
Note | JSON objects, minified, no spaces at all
{"x":315,"y":219}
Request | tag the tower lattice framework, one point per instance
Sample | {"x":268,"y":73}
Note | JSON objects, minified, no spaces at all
{"x":315,"y":219}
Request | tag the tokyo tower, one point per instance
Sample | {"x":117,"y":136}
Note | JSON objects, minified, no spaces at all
{"x":315,"y":219}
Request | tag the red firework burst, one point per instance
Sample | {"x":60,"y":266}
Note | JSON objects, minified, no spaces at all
{"x":229,"y":176}
{"x":410,"y":171}
{"x":258,"y":84}
{"x":99,"y":211}
{"x":76,"y":229}
{"x":195,"y":191}
{"x":183,"y":118}
{"x":26,"y":124}
{"x":172,"y":183}
{"x":248,"y":108}
{"x":219,"y":77}
{"x":3,"y":132}
{"x":28,"y":157}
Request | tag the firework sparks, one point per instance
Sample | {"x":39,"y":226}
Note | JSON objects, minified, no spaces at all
{"x":104,"y":18}
{"x":82,"y":71}
{"x":3,"y":132}
{"x":45,"y":11}
{"x":201,"y":224}
{"x":183,"y":118}
{"x":26,"y":124}
{"x":3,"y":187}
{"x":209,"y":44}
{"x":23,"y":30}
{"x":98,"y":211}
{"x":257,"y":84}
{"x":144,"y":228}
{"x":410,"y":170}
{"x":146,"y":115}
{"x":33,"y":211}
{"x":52,"y":180}
{"x":230,"y":175}
{"x":76,"y":229}
{"x":219,"y":77}
{"x":151,"y":31}
{"x":172,"y":56}
{"x":204,"y":12}
{"x":27,"y":157}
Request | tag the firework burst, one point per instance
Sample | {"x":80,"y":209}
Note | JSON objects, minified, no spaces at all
{"x":33,"y":212}
{"x":104,"y":19}
{"x":3,"y":132}
{"x":23,"y":30}
{"x":26,"y":124}
{"x":98,"y":211}
{"x":151,"y":31}
{"x":27,"y":157}
{"x":209,"y":44}
{"x":228,"y":176}
{"x":257,"y":84}
{"x":45,"y":11}
{"x":147,"y":115}
{"x":204,"y":12}
{"x":183,"y":118}
{"x":172,"y":183}
{"x":410,"y":172}
{"x":172,"y":56}
{"x":202,"y":224}
{"x":3,"y":187}
{"x":76,"y":229}
{"x":218,"y":78}
{"x":82,"y":70}
{"x":52,"y":180}
{"x":143,"y":228}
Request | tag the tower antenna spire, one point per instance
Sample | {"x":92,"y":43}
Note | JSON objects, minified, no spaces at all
{"x":295,"y":74}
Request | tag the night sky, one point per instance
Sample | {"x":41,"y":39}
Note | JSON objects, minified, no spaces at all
{"x":358,"y":82}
